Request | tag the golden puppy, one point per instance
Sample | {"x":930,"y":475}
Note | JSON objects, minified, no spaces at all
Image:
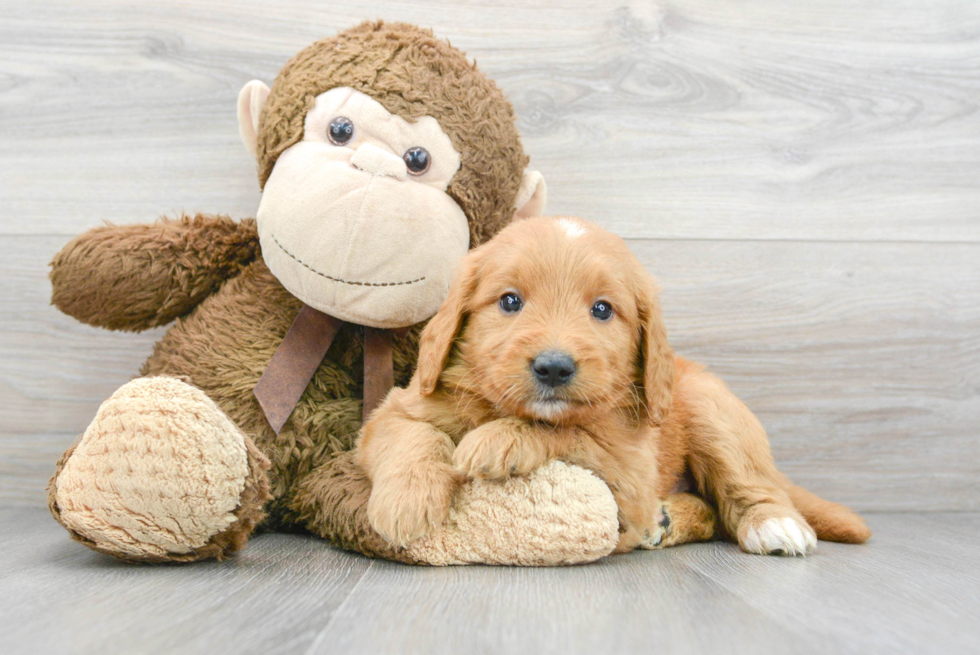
{"x":551,"y":346}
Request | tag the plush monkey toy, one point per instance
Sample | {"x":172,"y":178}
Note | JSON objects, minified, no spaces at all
{"x":383,"y":155}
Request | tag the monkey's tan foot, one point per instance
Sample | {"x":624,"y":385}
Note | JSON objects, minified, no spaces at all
{"x":686,"y":518}
{"x":160,"y":475}
{"x":771,"y":529}
{"x":559,"y":514}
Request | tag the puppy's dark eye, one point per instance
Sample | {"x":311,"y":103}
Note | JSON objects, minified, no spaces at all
{"x":511,"y":303}
{"x":602,"y":310}
{"x":341,"y":131}
{"x":417,"y":160}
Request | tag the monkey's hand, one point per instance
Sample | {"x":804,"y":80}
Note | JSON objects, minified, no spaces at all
{"x":134,"y":277}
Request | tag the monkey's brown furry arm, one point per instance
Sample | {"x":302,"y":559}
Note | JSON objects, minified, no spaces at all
{"x":134,"y":277}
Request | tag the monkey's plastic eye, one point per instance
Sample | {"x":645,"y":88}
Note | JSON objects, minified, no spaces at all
{"x":511,"y":303}
{"x":602,"y":310}
{"x":417,"y":160}
{"x":341,"y":131}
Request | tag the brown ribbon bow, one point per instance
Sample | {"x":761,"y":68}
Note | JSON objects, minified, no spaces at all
{"x":299,"y":355}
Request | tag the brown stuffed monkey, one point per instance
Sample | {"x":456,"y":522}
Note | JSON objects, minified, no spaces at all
{"x":384,"y":154}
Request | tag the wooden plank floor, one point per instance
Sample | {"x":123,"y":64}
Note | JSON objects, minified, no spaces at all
{"x":915,"y":588}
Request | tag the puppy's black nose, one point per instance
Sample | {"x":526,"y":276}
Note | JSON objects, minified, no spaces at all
{"x":553,"y":368}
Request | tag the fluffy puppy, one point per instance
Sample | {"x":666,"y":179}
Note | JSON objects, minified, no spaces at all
{"x":551,"y":345}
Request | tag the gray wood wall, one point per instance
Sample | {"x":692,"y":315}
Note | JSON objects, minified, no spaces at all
{"x":803,"y":177}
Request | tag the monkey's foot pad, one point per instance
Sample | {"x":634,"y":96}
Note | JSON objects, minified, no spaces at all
{"x":559,"y":514}
{"x":159,"y":472}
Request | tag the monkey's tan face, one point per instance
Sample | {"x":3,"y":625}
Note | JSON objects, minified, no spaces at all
{"x":355,"y":220}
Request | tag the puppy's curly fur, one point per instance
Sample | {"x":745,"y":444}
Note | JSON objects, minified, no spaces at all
{"x":625,"y":406}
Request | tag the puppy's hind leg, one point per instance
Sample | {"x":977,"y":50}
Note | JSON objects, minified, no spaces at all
{"x":686,"y":519}
{"x":732,"y":462}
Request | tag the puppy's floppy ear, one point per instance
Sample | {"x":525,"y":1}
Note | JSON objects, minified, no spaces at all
{"x":438,"y":336}
{"x":656,"y":354}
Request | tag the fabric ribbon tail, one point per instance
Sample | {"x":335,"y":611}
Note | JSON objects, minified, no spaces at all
{"x":379,"y":368}
{"x":294,"y":364}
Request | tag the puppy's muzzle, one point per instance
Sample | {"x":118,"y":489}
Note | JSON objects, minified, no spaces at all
{"x":553,"y":368}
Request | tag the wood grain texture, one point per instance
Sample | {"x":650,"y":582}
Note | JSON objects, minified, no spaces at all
{"x":690,"y":119}
{"x":61,"y":597}
{"x":913,"y":589}
{"x":860,"y":359}
{"x":801,"y":176}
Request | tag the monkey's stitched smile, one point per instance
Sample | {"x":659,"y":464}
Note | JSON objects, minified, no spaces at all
{"x":337,"y":279}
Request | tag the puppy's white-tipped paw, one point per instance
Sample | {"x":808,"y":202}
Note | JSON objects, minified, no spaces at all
{"x":779,"y":536}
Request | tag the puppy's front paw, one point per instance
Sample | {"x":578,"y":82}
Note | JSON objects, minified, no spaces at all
{"x":407,"y":506}
{"x":497,"y":450}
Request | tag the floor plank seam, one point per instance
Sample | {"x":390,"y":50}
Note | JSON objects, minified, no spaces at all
{"x":326,"y":629}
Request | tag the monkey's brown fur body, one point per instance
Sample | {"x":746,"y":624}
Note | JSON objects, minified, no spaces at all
{"x":232,"y":314}
{"x":208,"y":274}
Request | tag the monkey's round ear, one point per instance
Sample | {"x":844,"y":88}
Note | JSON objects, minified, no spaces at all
{"x":532,"y":195}
{"x":251,"y":99}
